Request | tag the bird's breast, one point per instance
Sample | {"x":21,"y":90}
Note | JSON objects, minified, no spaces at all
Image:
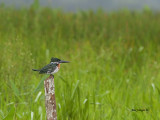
{"x":58,"y":66}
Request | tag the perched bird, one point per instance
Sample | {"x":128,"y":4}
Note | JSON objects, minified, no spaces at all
{"x":51,"y":68}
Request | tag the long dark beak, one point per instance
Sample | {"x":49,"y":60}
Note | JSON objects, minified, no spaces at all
{"x":62,"y":61}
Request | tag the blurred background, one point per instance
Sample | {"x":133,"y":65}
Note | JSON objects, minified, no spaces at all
{"x":113,"y":46}
{"x":75,"y":5}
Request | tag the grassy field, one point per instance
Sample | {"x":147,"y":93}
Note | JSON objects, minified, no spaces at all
{"x":115,"y":63}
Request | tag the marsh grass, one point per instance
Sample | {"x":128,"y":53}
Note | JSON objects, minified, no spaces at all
{"x":114,"y":65}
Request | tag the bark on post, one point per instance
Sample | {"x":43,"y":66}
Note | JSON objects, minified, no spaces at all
{"x":50,"y":101}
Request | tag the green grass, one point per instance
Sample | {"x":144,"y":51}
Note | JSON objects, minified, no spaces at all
{"x":114,"y":67}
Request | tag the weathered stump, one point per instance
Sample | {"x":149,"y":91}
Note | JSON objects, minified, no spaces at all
{"x":50,"y":101}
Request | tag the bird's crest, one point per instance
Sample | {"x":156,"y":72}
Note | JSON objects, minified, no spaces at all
{"x":55,"y":59}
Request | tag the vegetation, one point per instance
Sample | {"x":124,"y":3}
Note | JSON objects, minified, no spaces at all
{"x":114,"y":67}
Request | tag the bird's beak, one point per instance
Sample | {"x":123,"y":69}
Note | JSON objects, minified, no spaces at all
{"x":62,"y":61}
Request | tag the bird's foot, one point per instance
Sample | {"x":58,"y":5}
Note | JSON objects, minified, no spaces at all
{"x":51,"y":75}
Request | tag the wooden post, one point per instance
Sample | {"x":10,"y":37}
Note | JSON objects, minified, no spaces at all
{"x":50,"y":101}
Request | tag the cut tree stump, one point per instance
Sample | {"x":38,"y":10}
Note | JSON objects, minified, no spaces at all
{"x":50,"y":101}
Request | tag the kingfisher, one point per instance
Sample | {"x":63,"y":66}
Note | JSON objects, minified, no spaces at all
{"x":52,"y":67}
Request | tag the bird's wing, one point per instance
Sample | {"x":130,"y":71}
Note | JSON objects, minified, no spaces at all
{"x":48,"y":68}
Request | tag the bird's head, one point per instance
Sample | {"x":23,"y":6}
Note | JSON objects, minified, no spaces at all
{"x":56,"y":60}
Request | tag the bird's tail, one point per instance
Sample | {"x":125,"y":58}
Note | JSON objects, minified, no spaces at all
{"x":35,"y":70}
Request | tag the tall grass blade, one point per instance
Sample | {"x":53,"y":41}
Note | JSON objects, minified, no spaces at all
{"x":40,"y":85}
{"x":14,"y":88}
{"x":75,"y":88}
